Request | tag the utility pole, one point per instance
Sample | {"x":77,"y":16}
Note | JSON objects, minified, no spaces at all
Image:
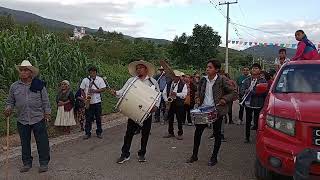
{"x":227,"y":34}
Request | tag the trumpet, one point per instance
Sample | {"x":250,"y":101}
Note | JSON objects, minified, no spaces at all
{"x":88,"y":96}
{"x":245,"y":98}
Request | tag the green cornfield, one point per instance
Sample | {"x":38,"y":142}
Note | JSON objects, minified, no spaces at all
{"x":57,"y":59}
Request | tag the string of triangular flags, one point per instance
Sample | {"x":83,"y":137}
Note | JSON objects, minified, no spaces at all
{"x":250,"y":43}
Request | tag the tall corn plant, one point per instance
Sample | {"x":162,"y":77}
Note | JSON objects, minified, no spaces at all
{"x":56,"y":59}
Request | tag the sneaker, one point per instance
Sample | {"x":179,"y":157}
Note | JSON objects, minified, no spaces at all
{"x":99,"y":136}
{"x":121,"y":160}
{"x":190,"y":124}
{"x":142,"y":159}
{"x":180,"y":137}
{"x":43,"y":168}
{"x":191,"y":160}
{"x":86,"y":137}
{"x":25,"y":168}
{"x":213,"y":162}
{"x":169,"y":136}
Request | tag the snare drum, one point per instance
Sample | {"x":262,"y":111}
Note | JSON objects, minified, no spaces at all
{"x":137,"y":101}
{"x":204,"y":115}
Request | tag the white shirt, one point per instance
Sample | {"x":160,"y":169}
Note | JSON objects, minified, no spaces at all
{"x":154,"y":83}
{"x":208,"y":96}
{"x":181,"y":95}
{"x":277,"y":61}
{"x":95,"y":97}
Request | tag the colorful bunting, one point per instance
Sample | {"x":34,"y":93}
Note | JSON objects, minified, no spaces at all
{"x":282,"y":45}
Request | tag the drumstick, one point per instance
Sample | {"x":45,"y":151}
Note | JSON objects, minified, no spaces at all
{"x":7,"y":153}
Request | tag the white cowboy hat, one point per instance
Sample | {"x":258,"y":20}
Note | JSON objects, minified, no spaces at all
{"x":132,"y":67}
{"x":28,"y":65}
{"x":178,"y":73}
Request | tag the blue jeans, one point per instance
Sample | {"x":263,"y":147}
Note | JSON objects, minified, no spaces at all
{"x":93,"y":113}
{"x":41,"y":135}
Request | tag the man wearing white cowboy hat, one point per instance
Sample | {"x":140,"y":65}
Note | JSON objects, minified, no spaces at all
{"x":162,"y":80}
{"x":144,"y":71}
{"x":29,"y":96}
{"x":177,"y":91}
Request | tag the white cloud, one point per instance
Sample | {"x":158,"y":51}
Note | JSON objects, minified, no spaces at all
{"x":109,"y":14}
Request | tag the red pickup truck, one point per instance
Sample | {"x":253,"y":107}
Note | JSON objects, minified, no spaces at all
{"x":288,"y":135}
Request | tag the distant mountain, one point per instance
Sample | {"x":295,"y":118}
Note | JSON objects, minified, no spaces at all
{"x":268,"y":52}
{"x":22,"y":17}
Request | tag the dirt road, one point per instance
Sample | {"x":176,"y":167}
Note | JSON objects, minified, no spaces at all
{"x":95,"y":158}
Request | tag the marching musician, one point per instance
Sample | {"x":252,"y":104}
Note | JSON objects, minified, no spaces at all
{"x":144,"y":71}
{"x":214,"y":90}
{"x":162,"y":80}
{"x":253,"y":102}
{"x":91,"y":88}
{"x":174,"y":94}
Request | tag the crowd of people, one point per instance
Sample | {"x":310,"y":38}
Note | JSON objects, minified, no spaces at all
{"x":179,"y":95}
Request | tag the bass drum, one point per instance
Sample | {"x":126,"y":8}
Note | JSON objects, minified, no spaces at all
{"x":137,"y":101}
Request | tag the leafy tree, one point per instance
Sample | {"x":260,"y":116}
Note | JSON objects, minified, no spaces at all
{"x":203,"y":44}
{"x":100,"y":32}
{"x":195,"y":49}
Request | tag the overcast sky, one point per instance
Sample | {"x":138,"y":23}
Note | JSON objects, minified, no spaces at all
{"x":275,"y":20}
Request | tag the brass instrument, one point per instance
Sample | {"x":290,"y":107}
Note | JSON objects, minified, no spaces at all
{"x":88,"y":96}
{"x":168,"y":72}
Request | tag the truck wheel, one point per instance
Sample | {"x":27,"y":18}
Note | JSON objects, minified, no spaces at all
{"x":261,"y":172}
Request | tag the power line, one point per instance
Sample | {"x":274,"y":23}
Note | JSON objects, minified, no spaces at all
{"x":243,"y":16}
{"x":216,"y":6}
{"x":227,"y":33}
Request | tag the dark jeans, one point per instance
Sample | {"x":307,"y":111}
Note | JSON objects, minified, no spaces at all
{"x":131,"y":129}
{"x":187,"y":114}
{"x":41,"y":135}
{"x":161,"y":108}
{"x":93,"y":113}
{"x":230,"y":112}
{"x":217,"y":134}
{"x":241,"y":110}
{"x":179,"y":112}
{"x":249,"y":112}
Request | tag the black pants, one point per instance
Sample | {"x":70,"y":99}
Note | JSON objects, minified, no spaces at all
{"x":131,"y":129}
{"x":249,"y":112}
{"x":41,"y":135}
{"x":230,"y":112}
{"x":217,"y":134}
{"x":161,"y":108}
{"x":187,"y":114}
{"x":93,"y":113}
{"x":241,"y":110}
{"x":179,"y":112}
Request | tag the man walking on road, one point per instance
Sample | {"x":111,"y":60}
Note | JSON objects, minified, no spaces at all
{"x":253,"y":102}
{"x":29,"y":96}
{"x":214,"y":90}
{"x":245,"y":75}
{"x":91,"y":88}
{"x":140,"y":71}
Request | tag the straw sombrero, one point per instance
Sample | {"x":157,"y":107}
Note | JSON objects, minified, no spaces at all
{"x":132,"y":67}
{"x":178,"y":73}
{"x":28,"y":65}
